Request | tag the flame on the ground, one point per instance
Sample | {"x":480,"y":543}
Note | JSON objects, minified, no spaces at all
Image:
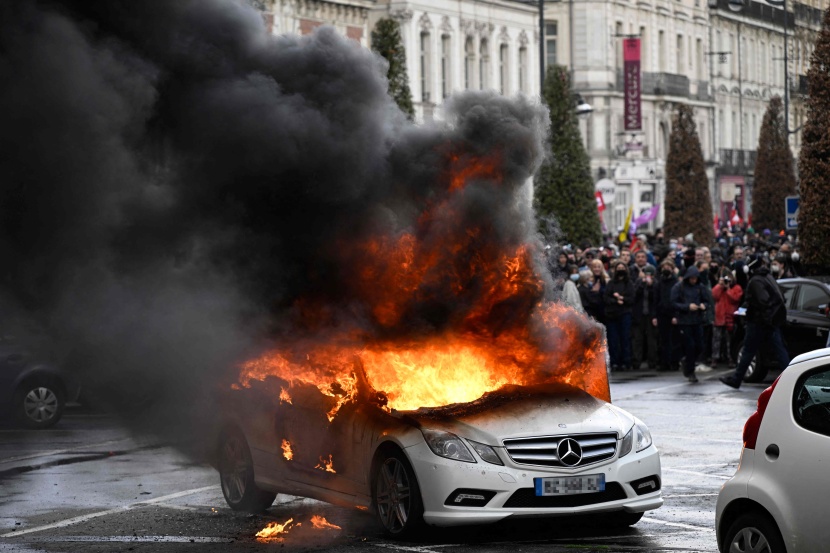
{"x":275,"y":531}
{"x":322,"y":524}
{"x":286,"y":450}
{"x":326,"y":465}
{"x":477,"y":299}
{"x":284,"y":396}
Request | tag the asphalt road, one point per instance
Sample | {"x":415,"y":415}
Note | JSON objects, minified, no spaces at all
{"x":87,"y":485}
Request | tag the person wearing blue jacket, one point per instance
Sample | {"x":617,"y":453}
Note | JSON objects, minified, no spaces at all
{"x":691,"y":300}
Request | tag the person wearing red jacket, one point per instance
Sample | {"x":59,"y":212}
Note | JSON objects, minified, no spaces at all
{"x":727,"y":296}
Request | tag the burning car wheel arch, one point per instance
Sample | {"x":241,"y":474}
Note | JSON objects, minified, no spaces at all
{"x":236,"y":474}
{"x":399,"y":514}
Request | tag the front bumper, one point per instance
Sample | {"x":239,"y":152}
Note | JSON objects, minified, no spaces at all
{"x":439,"y":477}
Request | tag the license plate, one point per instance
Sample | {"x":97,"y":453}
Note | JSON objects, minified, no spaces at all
{"x":591,"y":483}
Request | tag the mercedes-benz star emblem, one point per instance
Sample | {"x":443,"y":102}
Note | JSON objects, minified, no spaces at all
{"x":569,"y":451}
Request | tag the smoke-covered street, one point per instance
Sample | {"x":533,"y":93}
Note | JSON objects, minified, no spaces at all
{"x":86,"y":485}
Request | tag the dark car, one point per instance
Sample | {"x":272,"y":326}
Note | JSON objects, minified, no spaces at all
{"x":807,"y":325}
{"x":33,"y":389}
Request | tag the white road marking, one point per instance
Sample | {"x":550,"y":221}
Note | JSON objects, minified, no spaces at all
{"x":709,"y":376}
{"x":90,"y":516}
{"x":690,"y":495}
{"x":696,"y":473}
{"x":677,"y":524}
{"x":88,"y":447}
{"x":413,"y":548}
{"x":134,"y":539}
{"x":700,"y":438}
{"x":714,"y":465}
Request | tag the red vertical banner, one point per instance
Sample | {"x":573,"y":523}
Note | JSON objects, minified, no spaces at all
{"x":631,"y":68}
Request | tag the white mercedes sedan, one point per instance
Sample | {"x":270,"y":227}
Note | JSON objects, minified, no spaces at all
{"x":548,"y":450}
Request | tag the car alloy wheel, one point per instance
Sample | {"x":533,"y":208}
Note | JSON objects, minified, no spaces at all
{"x":753,"y":532}
{"x":236,"y":474}
{"x":397,"y":497}
{"x":39,"y":404}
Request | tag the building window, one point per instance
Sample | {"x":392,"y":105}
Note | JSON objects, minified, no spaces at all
{"x":523,"y":69}
{"x":469,"y":62}
{"x":680,"y":55}
{"x":483,"y":65}
{"x":425,"y":88}
{"x":701,"y":64}
{"x":721,"y":130}
{"x":661,"y":51}
{"x":644,"y":57}
{"x":551,"y":32}
{"x":445,"y":66}
{"x":735,"y":125}
{"x":503,"y":68}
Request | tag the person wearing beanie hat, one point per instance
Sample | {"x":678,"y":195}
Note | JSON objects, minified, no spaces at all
{"x":643,"y":327}
{"x":691,"y":300}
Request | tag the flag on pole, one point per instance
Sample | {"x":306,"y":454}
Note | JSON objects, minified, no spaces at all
{"x":624,"y":234}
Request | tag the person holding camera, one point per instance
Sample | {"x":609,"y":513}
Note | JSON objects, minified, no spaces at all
{"x":727,"y":296}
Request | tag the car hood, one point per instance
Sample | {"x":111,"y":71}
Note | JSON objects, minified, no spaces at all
{"x":516,"y":411}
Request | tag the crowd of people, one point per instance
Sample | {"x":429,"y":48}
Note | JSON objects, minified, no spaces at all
{"x":668,"y":303}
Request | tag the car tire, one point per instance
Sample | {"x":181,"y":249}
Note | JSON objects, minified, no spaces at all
{"x":757,"y":370}
{"x":622,"y":519}
{"x":39,"y":403}
{"x":236,"y":474}
{"x":749,"y":533}
{"x":396,"y":496}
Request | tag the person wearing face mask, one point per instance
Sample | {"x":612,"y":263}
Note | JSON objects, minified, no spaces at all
{"x":570,"y":294}
{"x":691,"y":300}
{"x":727,"y":297}
{"x":666,"y":318}
{"x":619,"y":298}
{"x":643,"y":324}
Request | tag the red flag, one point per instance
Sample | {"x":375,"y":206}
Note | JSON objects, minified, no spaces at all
{"x":600,"y":202}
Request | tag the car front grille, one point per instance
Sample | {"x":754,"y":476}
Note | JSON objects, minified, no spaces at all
{"x":527,"y":498}
{"x":544,"y":451}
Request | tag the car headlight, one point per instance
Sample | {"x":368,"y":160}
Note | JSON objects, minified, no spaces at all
{"x":446,"y":444}
{"x":638,"y":438}
{"x":486,"y":453}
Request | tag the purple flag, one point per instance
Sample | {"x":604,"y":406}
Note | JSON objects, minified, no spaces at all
{"x":647,"y":215}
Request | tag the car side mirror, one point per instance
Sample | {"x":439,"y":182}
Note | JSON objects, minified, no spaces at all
{"x":824,"y":309}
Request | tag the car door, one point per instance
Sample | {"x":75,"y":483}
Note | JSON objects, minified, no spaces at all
{"x":790,"y":332}
{"x":805,"y":458}
{"x":807,"y":324}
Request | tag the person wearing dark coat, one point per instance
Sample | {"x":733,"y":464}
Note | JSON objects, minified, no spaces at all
{"x":619,"y":298}
{"x":643,"y":328}
{"x":665,"y":318}
{"x":691,"y":299}
{"x":765,"y":313}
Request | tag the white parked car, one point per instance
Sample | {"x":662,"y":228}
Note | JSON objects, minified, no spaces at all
{"x":779,"y":498}
{"x":518,"y":452}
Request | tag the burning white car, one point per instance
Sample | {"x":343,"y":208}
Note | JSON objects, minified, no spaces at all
{"x":521,"y":451}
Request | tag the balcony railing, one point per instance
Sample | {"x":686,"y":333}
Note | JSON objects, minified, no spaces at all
{"x":737,"y":162}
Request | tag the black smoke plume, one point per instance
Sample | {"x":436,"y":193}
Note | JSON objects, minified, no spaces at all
{"x":174,"y":180}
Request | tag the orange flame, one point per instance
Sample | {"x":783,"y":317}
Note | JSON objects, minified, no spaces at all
{"x":284,"y":397}
{"x":326,"y":465}
{"x":321,"y":523}
{"x":286,"y":450}
{"x":274,"y":531}
{"x":485,"y":295}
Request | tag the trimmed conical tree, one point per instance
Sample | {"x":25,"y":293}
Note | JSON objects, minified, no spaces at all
{"x":814,"y":160}
{"x":387,"y":41}
{"x":688,"y":205}
{"x":563,"y":187}
{"x":774,"y":176}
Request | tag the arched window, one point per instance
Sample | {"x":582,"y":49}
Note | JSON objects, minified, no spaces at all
{"x":483,"y":65}
{"x":445,"y":66}
{"x":503,"y":69}
{"x":469,"y":63}
{"x":523,"y":69}
{"x":425,"y":67}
